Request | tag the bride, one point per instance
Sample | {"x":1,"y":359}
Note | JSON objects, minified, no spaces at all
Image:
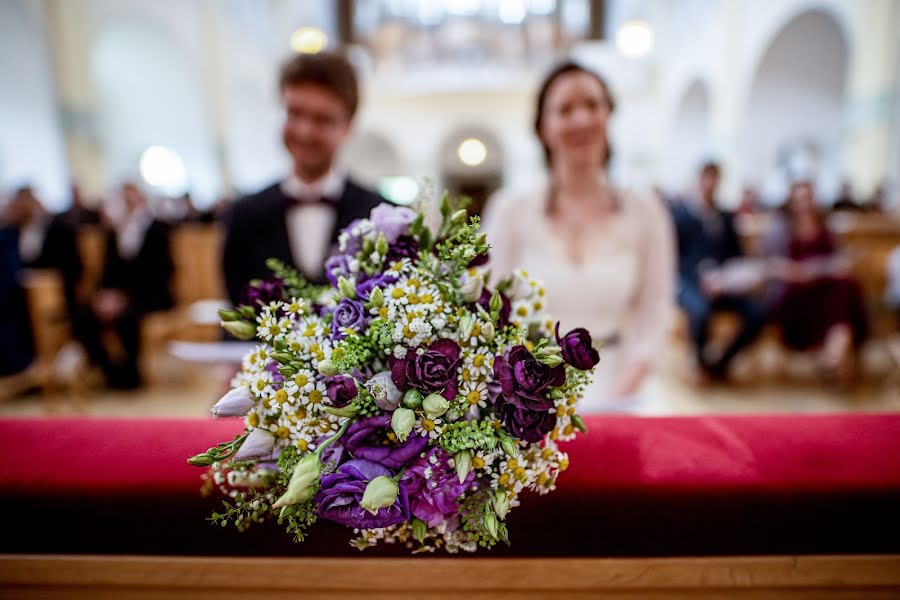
{"x":606,"y":255}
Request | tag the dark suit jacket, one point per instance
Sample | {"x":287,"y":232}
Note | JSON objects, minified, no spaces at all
{"x":256,"y":230}
{"x":146,"y":278}
{"x":696,"y":245}
{"x":60,"y":252}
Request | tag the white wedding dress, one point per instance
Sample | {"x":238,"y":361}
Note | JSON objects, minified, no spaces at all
{"x":625,"y":289}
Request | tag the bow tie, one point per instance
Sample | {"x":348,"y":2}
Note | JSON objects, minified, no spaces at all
{"x":310,"y":200}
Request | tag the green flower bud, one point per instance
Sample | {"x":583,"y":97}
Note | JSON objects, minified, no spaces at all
{"x":242,"y":330}
{"x":496,"y":303}
{"x":248,"y":312}
{"x":229,"y":315}
{"x":500,"y":501}
{"x":419,"y":529}
{"x":466,"y":325}
{"x":487,"y":330}
{"x":435,"y":405}
{"x":376,"y":298}
{"x":380,"y":493}
{"x":578,"y":423}
{"x":402,"y":422}
{"x":381,"y":246}
{"x":201,"y":460}
{"x":509,"y":446}
{"x":346,"y":288}
{"x":491,"y":525}
{"x":280,"y":344}
{"x":303,"y":483}
{"x":556,"y":394}
{"x":346,"y":411}
{"x":459,"y":217}
{"x":412,"y":399}
{"x":446,"y":207}
{"x":327,"y":368}
{"x":287,"y":370}
{"x":463,"y":461}
{"x":282,"y":357}
{"x":551,"y":361}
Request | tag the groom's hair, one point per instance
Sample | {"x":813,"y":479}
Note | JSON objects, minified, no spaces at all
{"x":327,"y":69}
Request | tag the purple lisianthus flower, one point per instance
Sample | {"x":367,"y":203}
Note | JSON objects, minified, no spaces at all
{"x":577,"y":348}
{"x":433,"y":371}
{"x":368,"y":438}
{"x":369,"y":283}
{"x":481,"y":259}
{"x":505,"y":309}
{"x":523,"y":405}
{"x":434,"y":500}
{"x":337,"y":265}
{"x":350,"y":314}
{"x":261,"y":292}
{"x":406,"y":246}
{"x":341,"y":390}
{"x":392,"y":221}
{"x":339,"y":497}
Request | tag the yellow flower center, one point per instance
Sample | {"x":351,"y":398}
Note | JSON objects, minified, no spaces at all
{"x":427,"y":298}
{"x":513,"y":464}
{"x":538,"y":305}
{"x":478,"y":462}
{"x":302,"y":445}
{"x":301,"y":379}
{"x":397,"y":293}
{"x":427,"y":424}
{"x":315,"y":396}
{"x":568,"y":430}
{"x":408,"y":333}
{"x":476,"y":330}
{"x":473,"y":397}
{"x":260,"y":385}
{"x":283,"y":432}
{"x":503,"y":479}
{"x":281,"y":396}
{"x":564,"y":464}
{"x":383,"y":312}
{"x":414,"y":283}
{"x":301,"y":413}
{"x":478,"y":361}
{"x":253,"y":420}
{"x":546,"y":453}
{"x":543,"y":479}
{"x":412,"y":298}
{"x":274,"y":329}
{"x":522,"y":311}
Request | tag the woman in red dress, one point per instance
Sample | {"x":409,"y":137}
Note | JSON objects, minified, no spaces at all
{"x":820,"y":305}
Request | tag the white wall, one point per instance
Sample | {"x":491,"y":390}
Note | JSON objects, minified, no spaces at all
{"x":31,"y":144}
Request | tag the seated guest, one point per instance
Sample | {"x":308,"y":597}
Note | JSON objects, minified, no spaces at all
{"x":845,"y":201}
{"x":136,"y":278}
{"x":297,"y":220}
{"x":47,"y":242}
{"x":820,"y":306}
{"x":706,"y":241}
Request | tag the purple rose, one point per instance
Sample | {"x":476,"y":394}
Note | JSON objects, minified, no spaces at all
{"x":505,"y":309}
{"x":370,"y":282}
{"x":368,"y":438}
{"x":341,"y":390}
{"x":349,"y":313}
{"x":341,"y":492}
{"x":577,"y":349}
{"x":434,"y":500}
{"x":406,"y":246}
{"x":523,"y":405}
{"x":433,"y":371}
{"x":337,"y":265}
{"x":392,"y":221}
{"x":261,"y":292}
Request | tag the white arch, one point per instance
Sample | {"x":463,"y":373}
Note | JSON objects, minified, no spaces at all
{"x":795,"y":106}
{"x":689,"y":140}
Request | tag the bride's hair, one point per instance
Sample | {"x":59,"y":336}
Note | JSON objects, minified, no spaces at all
{"x":565,"y":68}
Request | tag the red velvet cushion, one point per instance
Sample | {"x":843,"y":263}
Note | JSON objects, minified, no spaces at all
{"x":803,"y":452}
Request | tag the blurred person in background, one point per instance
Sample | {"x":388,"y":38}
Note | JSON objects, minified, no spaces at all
{"x":845,"y":200}
{"x":16,"y":344}
{"x":707,"y":240}
{"x":297,"y":220}
{"x":136,"y":281}
{"x":79,"y":213}
{"x":819,"y":306}
{"x":605,"y":255}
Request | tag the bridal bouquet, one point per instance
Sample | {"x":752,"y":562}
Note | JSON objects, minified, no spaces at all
{"x":407,"y":401}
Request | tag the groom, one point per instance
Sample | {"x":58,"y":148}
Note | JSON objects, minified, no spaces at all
{"x":297,"y":220}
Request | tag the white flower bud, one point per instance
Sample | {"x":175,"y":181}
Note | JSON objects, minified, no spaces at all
{"x":472,"y":287}
{"x":303,"y":481}
{"x":380,"y":493}
{"x":402,"y":422}
{"x":435,"y":405}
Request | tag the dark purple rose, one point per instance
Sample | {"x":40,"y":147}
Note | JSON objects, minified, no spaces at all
{"x":349,"y":313}
{"x":341,"y":492}
{"x":481,"y":259}
{"x":370,"y":282}
{"x":523,"y":405}
{"x":435,"y":370}
{"x":577,"y":349}
{"x":406,"y":246}
{"x":505,"y":309}
{"x":340,"y":390}
{"x":434,"y":500}
{"x":337,"y":265}
{"x":261,"y":292}
{"x":368,"y":438}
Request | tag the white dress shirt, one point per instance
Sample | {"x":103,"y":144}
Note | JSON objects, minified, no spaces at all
{"x":130,"y":233}
{"x":31,"y":239}
{"x":309,"y":226}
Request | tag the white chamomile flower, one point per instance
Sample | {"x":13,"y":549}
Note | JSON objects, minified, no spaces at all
{"x":301,"y":383}
{"x":296,"y":308}
{"x":475,"y":393}
{"x":480,"y":361}
{"x":261,"y":384}
{"x":430,"y":428}
{"x":483,"y":460}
